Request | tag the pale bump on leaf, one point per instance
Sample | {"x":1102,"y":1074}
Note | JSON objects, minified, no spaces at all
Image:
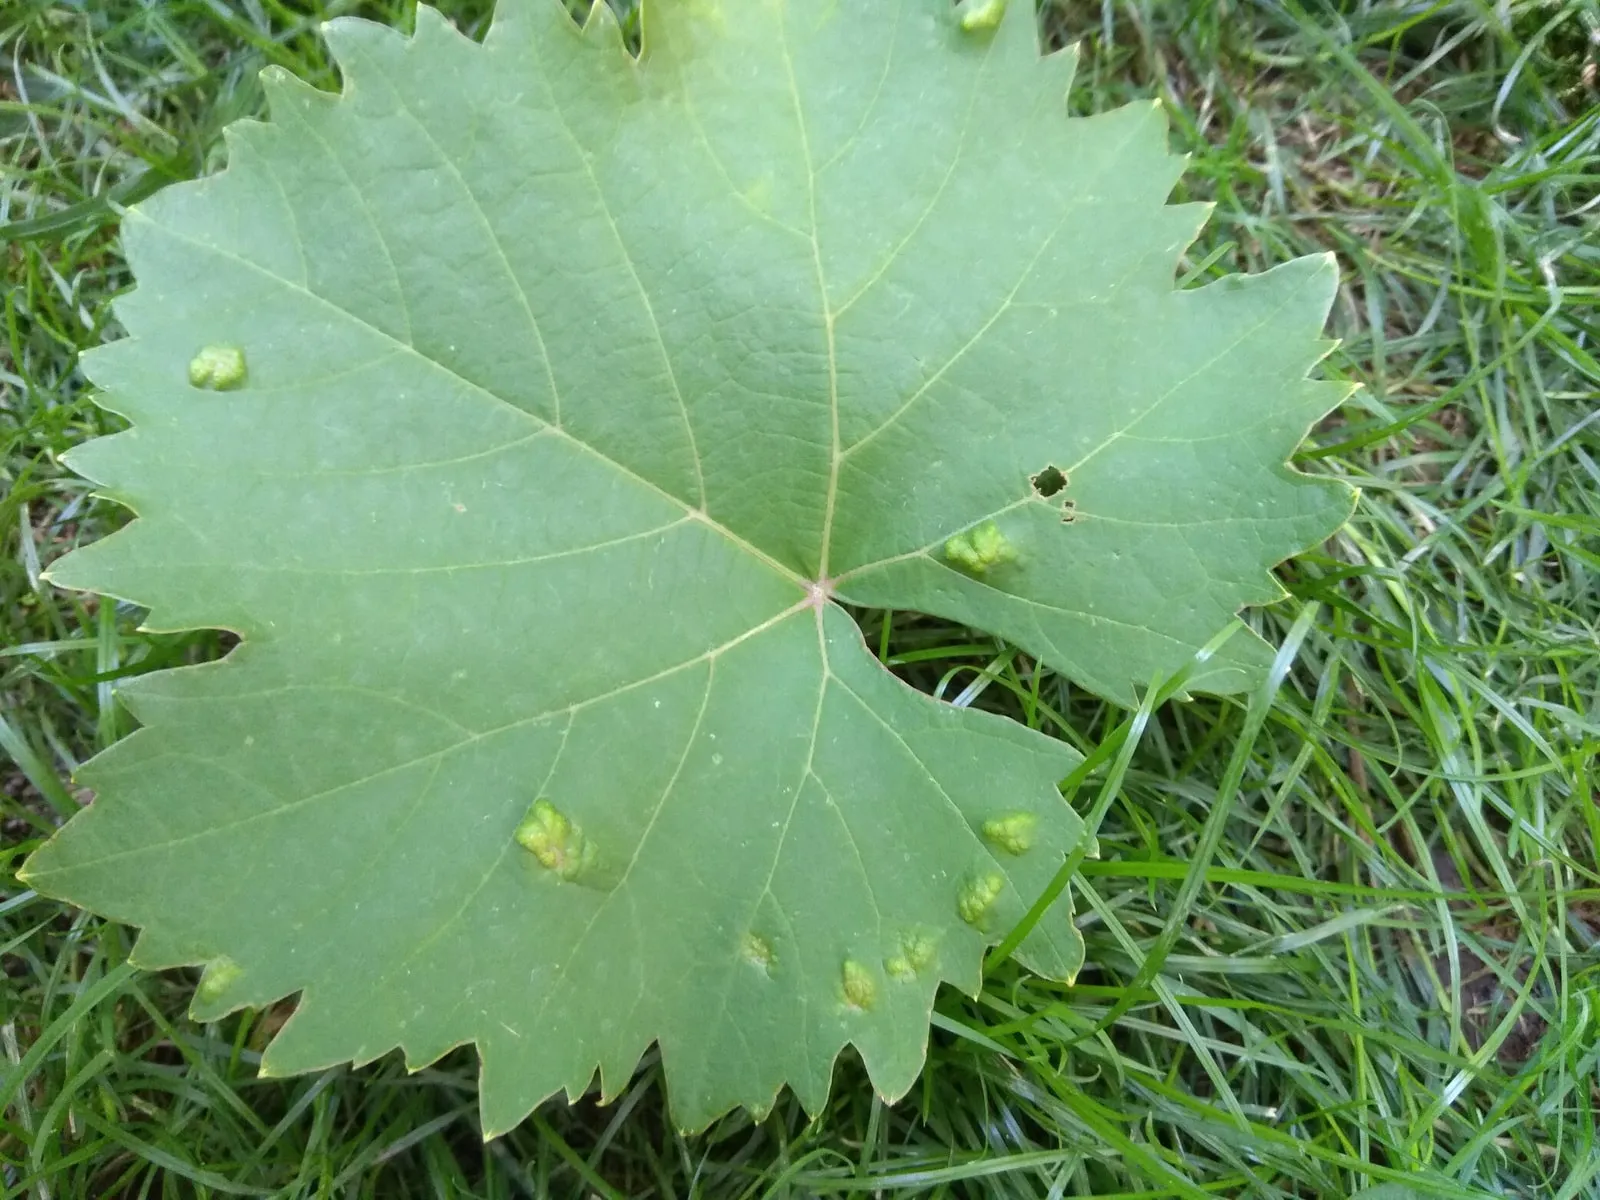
{"x":982,"y":14}
{"x":581,"y":388}
{"x":217,"y":981}
{"x":555,"y":842}
{"x":758,"y":952}
{"x":859,"y":987}
{"x":1012,"y":833}
{"x":976,"y":901}
{"x":978,"y":550}
{"x":915,"y":954}
{"x":219,"y":368}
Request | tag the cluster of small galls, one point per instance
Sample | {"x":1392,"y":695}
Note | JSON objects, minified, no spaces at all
{"x":558,"y":844}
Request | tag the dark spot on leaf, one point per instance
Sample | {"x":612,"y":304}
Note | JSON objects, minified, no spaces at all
{"x":1049,"y":481}
{"x":1069,"y":511}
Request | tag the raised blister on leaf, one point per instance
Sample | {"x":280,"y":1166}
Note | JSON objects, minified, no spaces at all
{"x":915,"y":955}
{"x":859,"y":987}
{"x":219,"y":975}
{"x":979,"y":549}
{"x":978,"y":895}
{"x":983,"y":14}
{"x":218,"y":368}
{"x":1012,"y":833}
{"x":555,"y":841}
{"x":757,"y":951}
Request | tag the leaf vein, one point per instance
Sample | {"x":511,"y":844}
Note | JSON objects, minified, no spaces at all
{"x":494,"y":240}
{"x":822,"y":297}
{"x":474,"y":385}
{"x":621,"y":887}
{"x":1225,"y":352}
{"x":638,"y":283}
{"x":442,"y":752}
{"x":366,"y":210}
{"x":1000,"y":311}
{"x":938,"y":194}
{"x":444,"y":569}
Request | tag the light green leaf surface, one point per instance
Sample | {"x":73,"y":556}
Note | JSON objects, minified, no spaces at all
{"x":579,"y":392}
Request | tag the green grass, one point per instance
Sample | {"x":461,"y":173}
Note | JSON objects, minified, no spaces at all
{"x":1342,"y":933}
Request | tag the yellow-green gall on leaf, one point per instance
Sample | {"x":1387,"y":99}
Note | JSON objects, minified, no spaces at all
{"x":979,"y":549}
{"x":915,"y":956}
{"x":554,"y":840}
{"x":218,"y":368}
{"x":757,"y":951}
{"x":220,"y":975}
{"x":977,"y":897}
{"x":983,"y":14}
{"x":860,"y":989}
{"x":1012,"y":833}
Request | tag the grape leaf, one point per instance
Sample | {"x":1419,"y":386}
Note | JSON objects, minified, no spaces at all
{"x":532,"y":411}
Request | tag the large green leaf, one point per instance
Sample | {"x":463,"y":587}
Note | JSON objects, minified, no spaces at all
{"x":530,"y":410}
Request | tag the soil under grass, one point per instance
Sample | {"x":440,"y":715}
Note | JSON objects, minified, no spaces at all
{"x":1342,"y":934}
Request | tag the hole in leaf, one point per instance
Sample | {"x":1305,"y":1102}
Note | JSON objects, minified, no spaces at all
{"x":1049,"y":481}
{"x":1069,"y":511}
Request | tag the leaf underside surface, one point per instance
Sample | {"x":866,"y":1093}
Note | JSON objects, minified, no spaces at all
{"x":531,"y":411}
